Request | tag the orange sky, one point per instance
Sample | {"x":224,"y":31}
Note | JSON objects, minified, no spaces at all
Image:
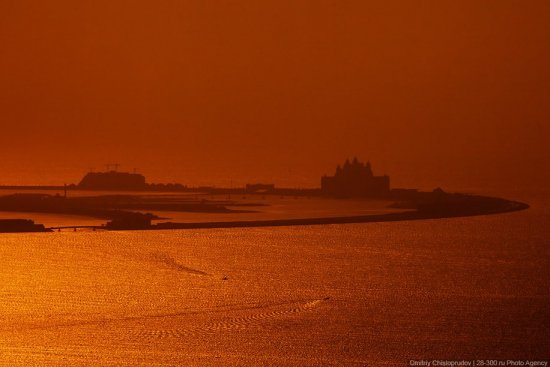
{"x":451,"y":93}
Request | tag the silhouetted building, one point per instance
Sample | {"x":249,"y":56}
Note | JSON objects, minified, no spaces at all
{"x":355,"y":179}
{"x":21,"y":225}
{"x":113,"y":180}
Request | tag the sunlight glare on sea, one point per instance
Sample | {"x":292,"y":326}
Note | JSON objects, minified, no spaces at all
{"x":361,"y":294}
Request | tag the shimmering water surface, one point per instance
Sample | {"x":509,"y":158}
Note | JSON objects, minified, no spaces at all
{"x":361,"y":294}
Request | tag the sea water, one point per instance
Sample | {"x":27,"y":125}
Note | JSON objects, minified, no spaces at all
{"x":342,"y":295}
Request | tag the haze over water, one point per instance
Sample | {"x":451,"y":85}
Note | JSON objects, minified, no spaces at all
{"x":362,"y":294}
{"x":450,"y":94}
{"x":443,"y":93}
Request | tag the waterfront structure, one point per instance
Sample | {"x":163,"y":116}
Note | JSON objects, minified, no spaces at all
{"x":112,"y":180}
{"x":355,"y":179}
{"x":20,"y":225}
{"x":122,"y":181}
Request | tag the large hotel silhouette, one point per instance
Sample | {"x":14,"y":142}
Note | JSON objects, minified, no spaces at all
{"x":355,"y":179}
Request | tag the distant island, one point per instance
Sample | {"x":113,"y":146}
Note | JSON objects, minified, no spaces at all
{"x":353,"y":179}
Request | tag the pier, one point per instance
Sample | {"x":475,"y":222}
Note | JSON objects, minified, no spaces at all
{"x":76,"y":228}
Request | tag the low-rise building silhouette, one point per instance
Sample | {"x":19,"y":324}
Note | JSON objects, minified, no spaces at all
{"x":355,"y":179}
{"x":112,"y":180}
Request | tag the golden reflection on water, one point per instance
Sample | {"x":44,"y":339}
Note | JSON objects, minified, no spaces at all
{"x":319,"y":295}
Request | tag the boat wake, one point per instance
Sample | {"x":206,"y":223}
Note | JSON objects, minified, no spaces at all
{"x":171,"y":263}
{"x":247,"y":318}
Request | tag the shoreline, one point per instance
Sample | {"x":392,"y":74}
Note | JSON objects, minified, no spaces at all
{"x":378,"y":218}
{"x":422,"y":207}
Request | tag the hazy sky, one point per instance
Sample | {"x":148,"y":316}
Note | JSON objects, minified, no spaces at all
{"x":451,"y":93}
